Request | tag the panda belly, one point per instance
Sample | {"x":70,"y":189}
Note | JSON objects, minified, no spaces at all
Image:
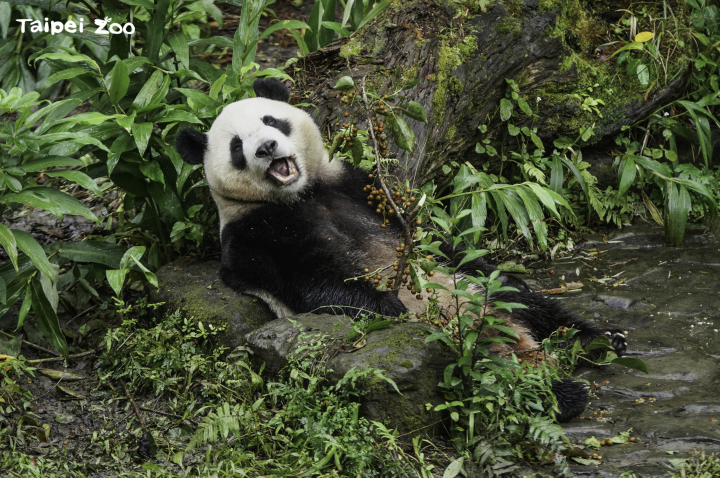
{"x":381,"y":250}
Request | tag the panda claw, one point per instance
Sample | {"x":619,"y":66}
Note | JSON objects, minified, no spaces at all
{"x":617,"y":340}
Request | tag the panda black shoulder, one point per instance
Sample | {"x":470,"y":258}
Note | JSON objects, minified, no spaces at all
{"x":351,"y":182}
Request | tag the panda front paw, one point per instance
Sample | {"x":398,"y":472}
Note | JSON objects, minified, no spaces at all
{"x":617,"y":340}
{"x":391,"y":306}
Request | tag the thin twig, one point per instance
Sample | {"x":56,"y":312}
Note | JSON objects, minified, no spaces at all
{"x":406,"y":224}
{"x":57,"y":359}
{"x":29,"y":344}
{"x":80,"y":315}
{"x":135,"y":407}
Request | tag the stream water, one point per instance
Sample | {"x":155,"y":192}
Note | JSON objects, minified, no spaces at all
{"x":668,"y":300}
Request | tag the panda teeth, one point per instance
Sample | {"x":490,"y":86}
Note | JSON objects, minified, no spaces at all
{"x":283,"y":170}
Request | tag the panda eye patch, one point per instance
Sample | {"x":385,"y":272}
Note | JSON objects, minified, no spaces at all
{"x":236,"y":153}
{"x":280,"y":124}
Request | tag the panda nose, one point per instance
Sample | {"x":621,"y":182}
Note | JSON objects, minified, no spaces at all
{"x":266,"y":149}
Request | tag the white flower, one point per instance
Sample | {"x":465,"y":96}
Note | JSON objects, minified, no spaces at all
{"x":538,"y":99}
{"x":666,"y":114}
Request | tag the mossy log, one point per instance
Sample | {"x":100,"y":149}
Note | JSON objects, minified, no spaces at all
{"x":462,"y":61}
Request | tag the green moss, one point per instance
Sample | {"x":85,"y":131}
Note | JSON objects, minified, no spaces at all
{"x":548,"y":5}
{"x":451,"y":132}
{"x":351,"y":48}
{"x":450,"y":57}
{"x":514,"y":7}
{"x":510,"y":26}
{"x":406,"y":364}
{"x":604,"y":81}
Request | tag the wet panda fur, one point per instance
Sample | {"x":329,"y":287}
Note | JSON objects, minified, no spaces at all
{"x":296,"y":228}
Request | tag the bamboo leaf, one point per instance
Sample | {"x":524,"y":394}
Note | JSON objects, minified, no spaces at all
{"x":27,"y":244}
{"x":7,"y":240}
{"x":47,"y":318}
{"x":627,"y":176}
{"x":119,"y":82}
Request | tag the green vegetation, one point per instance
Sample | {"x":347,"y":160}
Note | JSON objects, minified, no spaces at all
{"x":81,"y":113}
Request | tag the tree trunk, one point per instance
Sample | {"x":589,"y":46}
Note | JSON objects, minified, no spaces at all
{"x":462,"y":61}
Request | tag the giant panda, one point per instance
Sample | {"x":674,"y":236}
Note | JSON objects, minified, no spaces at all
{"x":295,"y":228}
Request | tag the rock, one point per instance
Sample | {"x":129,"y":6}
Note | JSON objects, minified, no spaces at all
{"x":194,"y":287}
{"x":616,"y":301}
{"x":400,"y":351}
{"x":273,"y":342}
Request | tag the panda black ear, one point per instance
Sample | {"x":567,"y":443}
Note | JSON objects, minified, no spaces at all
{"x":191,"y":145}
{"x":272,"y":89}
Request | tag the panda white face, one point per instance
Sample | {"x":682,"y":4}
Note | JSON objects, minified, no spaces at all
{"x":260,"y":149}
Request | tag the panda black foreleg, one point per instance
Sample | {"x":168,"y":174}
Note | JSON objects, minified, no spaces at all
{"x":478,"y":265}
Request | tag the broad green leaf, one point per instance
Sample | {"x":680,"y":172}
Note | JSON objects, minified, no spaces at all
{"x":627,"y":176}
{"x":545,"y":197}
{"x":296,"y":24}
{"x":586,"y":133}
{"x":216,"y":88}
{"x":537,"y":141}
{"x":47,"y":318}
{"x":135,"y":252}
{"x":49,"y":286}
{"x":25,"y":306}
{"x":578,"y":177}
{"x":506,"y":109}
{"x":151,"y":278}
{"x":52,"y":200}
{"x":471,"y":255}
{"x":643,"y":74}
{"x":630,"y":46}
{"x":65,"y":75}
{"x":379,"y":7}
{"x":152,"y":170}
{"x":222,"y":42}
{"x":524,"y":106}
{"x":403,"y":134}
{"x":562,"y":143}
{"x":50,"y":162}
{"x":516,"y":208}
{"x":677,"y":207}
{"x":151,"y":86}
{"x":513,"y":130}
{"x":454,"y":468}
{"x":141,"y":134}
{"x":3,"y":291}
{"x":345,"y":83}
{"x":155,"y":31}
{"x":77,"y":177}
{"x":630,"y":362}
{"x":178,"y":41}
{"x":116,"y":278}
{"x":337,"y":28}
{"x":535,"y":214}
{"x":99,"y":252}
{"x":77,"y":58}
{"x":119,"y":82}
{"x":27,"y":244}
{"x":7,"y":240}
{"x":415,"y":111}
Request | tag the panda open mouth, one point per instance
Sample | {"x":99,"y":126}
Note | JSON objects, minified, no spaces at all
{"x":283,"y":170}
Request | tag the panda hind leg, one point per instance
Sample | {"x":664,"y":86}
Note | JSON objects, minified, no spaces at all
{"x":572,"y":397}
{"x":543,"y":316}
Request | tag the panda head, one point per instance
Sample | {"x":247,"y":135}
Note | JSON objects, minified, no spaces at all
{"x":259,"y":149}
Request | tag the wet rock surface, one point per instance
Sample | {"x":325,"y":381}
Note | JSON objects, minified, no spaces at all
{"x":668,"y":299}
